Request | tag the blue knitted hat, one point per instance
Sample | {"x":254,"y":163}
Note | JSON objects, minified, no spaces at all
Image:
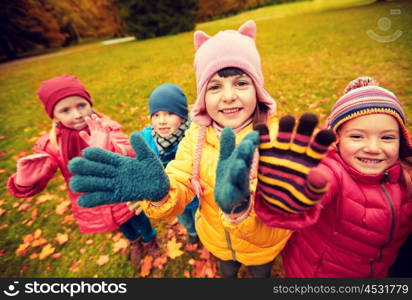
{"x":168,"y":97}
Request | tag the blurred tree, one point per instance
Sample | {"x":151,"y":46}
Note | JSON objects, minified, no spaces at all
{"x":147,"y":19}
{"x":24,"y":24}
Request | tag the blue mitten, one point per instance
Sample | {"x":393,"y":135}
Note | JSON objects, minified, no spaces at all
{"x":232,"y":174}
{"x":108,"y":178}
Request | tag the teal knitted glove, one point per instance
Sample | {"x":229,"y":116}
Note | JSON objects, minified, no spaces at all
{"x":107,"y":177}
{"x":232,"y":193}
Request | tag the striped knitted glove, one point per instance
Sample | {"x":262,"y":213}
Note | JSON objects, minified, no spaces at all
{"x":287,"y":179}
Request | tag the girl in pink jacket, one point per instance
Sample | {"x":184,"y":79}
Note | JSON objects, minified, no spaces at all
{"x":365,"y":214}
{"x":75,"y":127}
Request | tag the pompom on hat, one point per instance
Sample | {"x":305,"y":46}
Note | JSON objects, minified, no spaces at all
{"x":362,"y":97}
{"x":53,"y":90}
{"x":228,"y":48}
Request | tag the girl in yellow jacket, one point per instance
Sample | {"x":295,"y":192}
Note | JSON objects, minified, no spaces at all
{"x":207,"y":164}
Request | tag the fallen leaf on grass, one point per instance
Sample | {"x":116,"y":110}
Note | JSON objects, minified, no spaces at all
{"x":121,"y":244}
{"x":89,"y":242}
{"x":34,"y":213}
{"x":62,"y":207}
{"x":46,"y":251}
{"x":43,"y":198}
{"x":117,"y":236}
{"x":173,"y":248}
{"x":191,"y":247}
{"x":2,"y":211}
{"x":56,"y":255}
{"x":186,"y":274}
{"x":62,"y":238}
{"x":24,"y":206}
{"x":159,"y":262}
{"x":146,"y":266}
{"x":38,"y":242}
{"x":34,"y":255}
{"x":68,"y":219}
{"x":2,"y":171}
{"x":203,"y":269}
{"x":75,"y":266}
{"x":37,"y":233}
{"x":22,"y":249}
{"x":102,"y":260}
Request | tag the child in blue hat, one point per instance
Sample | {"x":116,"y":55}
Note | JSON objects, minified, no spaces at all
{"x":169,"y":121}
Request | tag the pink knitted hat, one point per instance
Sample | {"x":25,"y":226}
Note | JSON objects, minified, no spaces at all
{"x":228,"y":48}
{"x":53,"y":90}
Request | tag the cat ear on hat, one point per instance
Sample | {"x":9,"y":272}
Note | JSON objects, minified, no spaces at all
{"x":249,"y":29}
{"x":199,"y":38}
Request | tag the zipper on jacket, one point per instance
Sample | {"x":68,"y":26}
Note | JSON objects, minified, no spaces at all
{"x":385,"y":179}
{"x":229,"y":244}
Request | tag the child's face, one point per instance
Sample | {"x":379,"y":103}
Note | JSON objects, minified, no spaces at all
{"x":370,"y":143}
{"x":165,"y":123}
{"x":230,"y":101}
{"x":71,"y":112}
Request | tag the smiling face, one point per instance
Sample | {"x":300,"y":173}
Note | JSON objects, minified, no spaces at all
{"x":71,"y":112}
{"x":370,"y":143}
{"x":230,"y":101}
{"x":165,"y":123}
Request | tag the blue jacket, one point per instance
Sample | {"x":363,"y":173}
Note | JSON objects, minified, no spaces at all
{"x":164,"y":158}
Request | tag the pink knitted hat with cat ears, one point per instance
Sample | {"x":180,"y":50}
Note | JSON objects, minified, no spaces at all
{"x":228,"y":48}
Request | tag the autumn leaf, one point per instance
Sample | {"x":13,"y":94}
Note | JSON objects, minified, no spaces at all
{"x":62,"y":238}
{"x":23,"y":269}
{"x":24,"y":206}
{"x":89,"y":242}
{"x":62,"y":207}
{"x":56,"y":255}
{"x":38,"y":242}
{"x":186,"y":274}
{"x":120,"y":245}
{"x":2,"y":171}
{"x":34,"y":256}
{"x":160,"y":261}
{"x":46,"y":251}
{"x":191,"y":247}
{"x":43,"y":198}
{"x":102,"y":260}
{"x":37,"y":233}
{"x":117,"y":236}
{"x":181,"y":230}
{"x":82,"y":250}
{"x":146,"y":266}
{"x":174,"y":248}
{"x":2,"y":202}
{"x":2,"y":252}
{"x":68,"y":219}
{"x":2,"y":211}
{"x":22,"y":249}
{"x":75,"y":266}
{"x":34,"y":213}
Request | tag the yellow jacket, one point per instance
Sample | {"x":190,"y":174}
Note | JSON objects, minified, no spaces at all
{"x":250,"y":241}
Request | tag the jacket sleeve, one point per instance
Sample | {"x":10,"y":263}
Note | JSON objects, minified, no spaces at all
{"x":179,"y":172}
{"x":274,"y":217}
{"x":41,"y":146}
{"x":250,"y":227}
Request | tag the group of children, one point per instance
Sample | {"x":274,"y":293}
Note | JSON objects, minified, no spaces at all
{"x":334,"y":202}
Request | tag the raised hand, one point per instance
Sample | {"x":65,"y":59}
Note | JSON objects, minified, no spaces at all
{"x":232,"y":174}
{"x":99,"y":133}
{"x":32,"y":168}
{"x":287,"y":177}
{"x":107,"y":177}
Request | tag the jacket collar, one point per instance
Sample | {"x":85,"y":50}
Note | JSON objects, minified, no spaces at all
{"x":390,"y":175}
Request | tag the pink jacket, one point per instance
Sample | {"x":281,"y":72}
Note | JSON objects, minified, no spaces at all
{"x":90,"y":220}
{"x":356,"y":229}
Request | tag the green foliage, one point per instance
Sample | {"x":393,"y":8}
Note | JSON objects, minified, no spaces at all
{"x":148,"y":19}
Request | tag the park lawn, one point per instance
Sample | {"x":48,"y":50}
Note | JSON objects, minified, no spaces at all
{"x":310,"y":51}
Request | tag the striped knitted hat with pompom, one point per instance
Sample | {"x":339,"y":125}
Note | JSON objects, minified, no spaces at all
{"x":362,"y":97}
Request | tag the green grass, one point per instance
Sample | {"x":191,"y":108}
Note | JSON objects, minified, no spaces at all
{"x":310,"y":51}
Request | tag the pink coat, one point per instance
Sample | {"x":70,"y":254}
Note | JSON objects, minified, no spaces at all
{"x":90,"y":220}
{"x":356,"y":229}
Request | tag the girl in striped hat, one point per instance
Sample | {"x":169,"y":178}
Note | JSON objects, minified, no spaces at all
{"x":359,"y":224}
